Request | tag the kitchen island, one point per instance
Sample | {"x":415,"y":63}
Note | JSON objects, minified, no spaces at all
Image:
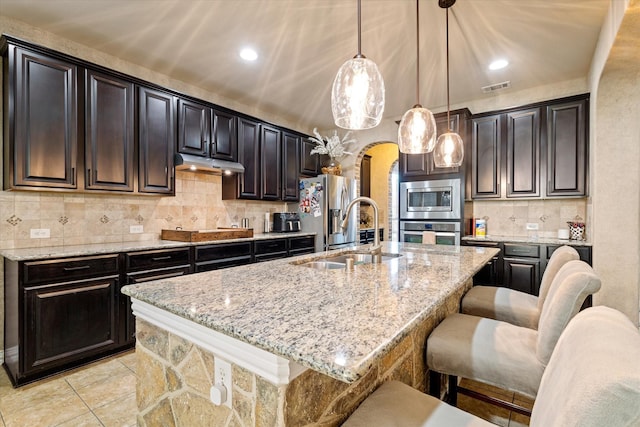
{"x":305,"y":345}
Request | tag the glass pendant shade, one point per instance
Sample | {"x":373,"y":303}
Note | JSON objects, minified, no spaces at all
{"x":357,"y":96}
{"x":449,"y":150}
{"x":417,"y":131}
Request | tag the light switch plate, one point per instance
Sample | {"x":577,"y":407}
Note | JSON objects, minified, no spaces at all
{"x":532,"y":226}
{"x":133,"y":229}
{"x":40,"y":233}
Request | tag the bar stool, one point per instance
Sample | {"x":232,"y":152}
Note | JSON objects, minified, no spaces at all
{"x":592,"y":380}
{"x":515,"y":307}
{"x":504,"y":355}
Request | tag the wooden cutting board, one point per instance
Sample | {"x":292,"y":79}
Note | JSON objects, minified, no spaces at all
{"x":206,"y":235}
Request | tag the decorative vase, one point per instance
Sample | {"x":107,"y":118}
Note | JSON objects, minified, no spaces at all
{"x":333,"y":167}
{"x":576,"y":230}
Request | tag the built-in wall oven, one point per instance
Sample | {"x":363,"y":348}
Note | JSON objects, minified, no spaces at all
{"x":446,"y":233}
{"x":436,"y":199}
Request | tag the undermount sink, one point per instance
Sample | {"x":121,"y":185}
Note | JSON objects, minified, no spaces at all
{"x":337,"y":262}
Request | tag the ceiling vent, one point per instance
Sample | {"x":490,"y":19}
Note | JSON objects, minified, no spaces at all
{"x":496,"y":87}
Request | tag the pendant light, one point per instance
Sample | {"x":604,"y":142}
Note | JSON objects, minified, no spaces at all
{"x":357,"y":96}
{"x":417,"y":131}
{"x":449,"y":149}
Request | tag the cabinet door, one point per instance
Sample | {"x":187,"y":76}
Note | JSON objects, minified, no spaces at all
{"x":523,"y":153}
{"x":109,"y":141}
{"x":443,"y":127}
{"x":413,"y":165}
{"x":157,"y":141}
{"x":290,"y":166}
{"x":485,"y":151}
{"x":194,"y":128}
{"x":567,"y":126}
{"x":69,"y":321}
{"x":271,"y":162}
{"x":43,"y":144}
{"x":522,"y":275}
{"x":365,"y":176}
{"x":249,"y":156}
{"x":309,"y":163}
{"x":225,"y":143}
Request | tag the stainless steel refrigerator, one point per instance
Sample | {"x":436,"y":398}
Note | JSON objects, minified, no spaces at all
{"x":323,"y":202}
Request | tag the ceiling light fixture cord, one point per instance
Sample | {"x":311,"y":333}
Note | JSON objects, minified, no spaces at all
{"x":418,"y":52}
{"x":448,"y":99}
{"x":359,"y":55}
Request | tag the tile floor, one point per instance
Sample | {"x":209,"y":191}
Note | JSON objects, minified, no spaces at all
{"x":104,"y":394}
{"x":100,"y":394}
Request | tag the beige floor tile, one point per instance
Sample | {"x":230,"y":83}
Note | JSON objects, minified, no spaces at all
{"x":118,"y":413}
{"x":120,"y":383}
{"x":48,"y":402}
{"x":95,"y":373}
{"x":128,"y":360}
{"x":85,"y":420}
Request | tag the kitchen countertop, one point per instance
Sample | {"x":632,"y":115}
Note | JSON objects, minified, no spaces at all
{"x":524,"y":239}
{"x":45,"y":252}
{"x":336,"y":322}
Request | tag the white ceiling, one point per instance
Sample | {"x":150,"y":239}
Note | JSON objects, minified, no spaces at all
{"x":302,"y":43}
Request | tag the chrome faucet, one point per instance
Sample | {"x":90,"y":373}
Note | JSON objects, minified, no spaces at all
{"x":376,"y":249}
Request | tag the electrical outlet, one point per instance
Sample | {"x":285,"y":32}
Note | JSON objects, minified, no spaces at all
{"x":532,"y":226}
{"x":133,"y":229}
{"x":40,"y":233}
{"x":222,"y":378}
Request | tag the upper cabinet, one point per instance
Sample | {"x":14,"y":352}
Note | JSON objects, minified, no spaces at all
{"x":291,"y":151}
{"x":43,"y":123}
{"x":225,"y":137}
{"x":270,"y":162}
{"x":421,"y":166}
{"x":194,"y":127}
{"x":109,"y":132}
{"x":157,"y":136}
{"x":531,"y":152}
{"x":309,"y":163}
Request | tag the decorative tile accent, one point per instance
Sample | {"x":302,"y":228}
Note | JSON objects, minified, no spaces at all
{"x":578,"y":218}
{"x":104,"y":219}
{"x":139,"y":219}
{"x":486,"y":218}
{"x":512,"y":218}
{"x":543,"y":218}
{"x":14,"y":220}
{"x":63,"y":220}
{"x":193,"y":218}
{"x":169,"y":218}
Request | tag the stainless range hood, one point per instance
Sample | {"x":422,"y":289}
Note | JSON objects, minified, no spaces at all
{"x":206,"y":165}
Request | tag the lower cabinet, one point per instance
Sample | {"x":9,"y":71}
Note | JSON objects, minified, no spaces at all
{"x":266,"y":250}
{"x":214,"y":257}
{"x":368,"y":235}
{"x":519,"y":266}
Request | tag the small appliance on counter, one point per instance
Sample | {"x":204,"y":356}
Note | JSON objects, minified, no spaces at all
{"x":284,"y":222}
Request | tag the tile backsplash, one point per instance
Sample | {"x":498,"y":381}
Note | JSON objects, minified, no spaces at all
{"x":509,"y":218}
{"x":75,"y":218}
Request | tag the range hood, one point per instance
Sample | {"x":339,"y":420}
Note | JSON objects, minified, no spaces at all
{"x":206,"y":165}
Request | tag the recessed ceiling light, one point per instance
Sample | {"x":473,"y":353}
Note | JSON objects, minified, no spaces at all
{"x":248,"y":54}
{"x":498,"y":64}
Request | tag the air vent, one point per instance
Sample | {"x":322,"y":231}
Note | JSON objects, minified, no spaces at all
{"x":495,"y":87}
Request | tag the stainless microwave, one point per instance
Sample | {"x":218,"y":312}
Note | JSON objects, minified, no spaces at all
{"x":436,"y":199}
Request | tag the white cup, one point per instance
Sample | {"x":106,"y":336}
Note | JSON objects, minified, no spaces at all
{"x":563,"y":233}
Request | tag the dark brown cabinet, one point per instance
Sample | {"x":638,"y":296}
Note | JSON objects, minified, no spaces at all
{"x":515,"y":152}
{"x":214,"y":257}
{"x":266,"y":250}
{"x":309,"y":163}
{"x":270,"y":162}
{"x":109,"y":132}
{"x":422,"y":166}
{"x":246,"y":185}
{"x":225,"y":142}
{"x":302,"y":245}
{"x":157,"y":136}
{"x":42,"y":120}
{"x":194,"y":128}
{"x":365,"y":176}
{"x":567,"y":127}
{"x":486,"y":148}
{"x":291,"y":144}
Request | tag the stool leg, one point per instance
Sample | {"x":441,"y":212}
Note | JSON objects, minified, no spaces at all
{"x":434,"y":384}
{"x":452,"y":396}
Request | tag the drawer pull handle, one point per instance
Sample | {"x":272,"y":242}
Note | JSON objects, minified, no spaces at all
{"x":161,"y":258}
{"x":82,"y":267}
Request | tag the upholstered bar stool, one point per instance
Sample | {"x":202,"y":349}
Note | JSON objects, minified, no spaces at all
{"x":592,"y":380}
{"x":504,"y":355}
{"x":515,"y":307}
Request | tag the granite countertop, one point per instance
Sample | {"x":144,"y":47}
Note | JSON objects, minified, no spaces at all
{"x":336,"y":322}
{"x":45,"y":252}
{"x":525,"y":239}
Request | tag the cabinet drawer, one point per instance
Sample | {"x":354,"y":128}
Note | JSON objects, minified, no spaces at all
{"x":583,"y":251}
{"x":70,"y":268}
{"x":300,"y":243}
{"x":528,"y":251}
{"x":270,"y":246}
{"x":223,"y":250}
{"x":150,"y":260}
{"x":163,"y":273}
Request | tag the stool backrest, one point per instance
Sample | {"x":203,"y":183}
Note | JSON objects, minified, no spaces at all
{"x":571,"y":286}
{"x":593,"y":377}
{"x":559,"y":257}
